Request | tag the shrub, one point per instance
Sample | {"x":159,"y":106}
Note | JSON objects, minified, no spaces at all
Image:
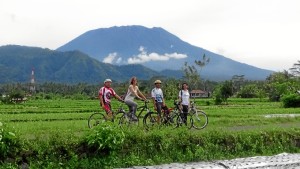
{"x":248,"y":91}
{"x":9,"y":143}
{"x":105,"y":138}
{"x":218,"y":99}
{"x":292,"y":100}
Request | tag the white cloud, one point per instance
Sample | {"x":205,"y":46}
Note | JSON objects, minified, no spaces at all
{"x":145,"y":57}
{"x":110,"y":58}
{"x":119,"y":60}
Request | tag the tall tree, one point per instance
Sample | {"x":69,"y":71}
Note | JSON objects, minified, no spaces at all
{"x":223,"y":92}
{"x":205,"y":60}
{"x":191,"y":74}
{"x":237,"y":82}
{"x":295,"y":70}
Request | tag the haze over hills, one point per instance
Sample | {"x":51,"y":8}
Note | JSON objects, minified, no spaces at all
{"x":158,"y":50}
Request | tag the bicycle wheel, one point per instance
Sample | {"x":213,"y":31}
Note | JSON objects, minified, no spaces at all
{"x":151,"y":120}
{"x":200,"y":119}
{"x":96,"y":119}
{"x":125,"y":120}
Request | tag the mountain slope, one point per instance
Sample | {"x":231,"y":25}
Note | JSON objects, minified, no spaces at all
{"x":16,"y":63}
{"x":158,"y":50}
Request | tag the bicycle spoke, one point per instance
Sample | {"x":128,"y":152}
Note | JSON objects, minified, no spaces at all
{"x":190,"y":121}
{"x":172,"y":121}
{"x":125,"y":120}
{"x":200,"y":119}
{"x":151,"y":120}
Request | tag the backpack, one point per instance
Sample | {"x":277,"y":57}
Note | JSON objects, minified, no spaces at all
{"x":180,"y":95}
{"x":124,"y":95}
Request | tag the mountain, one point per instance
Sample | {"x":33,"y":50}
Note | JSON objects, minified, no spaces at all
{"x":16,"y":63}
{"x":156,"y":49}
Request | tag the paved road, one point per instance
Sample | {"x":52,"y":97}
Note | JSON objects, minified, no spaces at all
{"x":280,"y":161}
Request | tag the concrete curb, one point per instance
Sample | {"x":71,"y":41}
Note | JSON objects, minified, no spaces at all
{"x":280,"y":161}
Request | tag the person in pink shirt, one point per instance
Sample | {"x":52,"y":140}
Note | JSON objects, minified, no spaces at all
{"x":105,"y":95}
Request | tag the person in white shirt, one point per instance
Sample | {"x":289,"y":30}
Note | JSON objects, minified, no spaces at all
{"x":158,"y":98}
{"x":133,"y":92}
{"x":184,"y":98}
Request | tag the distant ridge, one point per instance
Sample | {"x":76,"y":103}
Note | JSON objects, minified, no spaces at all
{"x":16,"y":63}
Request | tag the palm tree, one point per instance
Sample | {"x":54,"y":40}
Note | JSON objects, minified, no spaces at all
{"x":202,"y":62}
{"x":295,"y":70}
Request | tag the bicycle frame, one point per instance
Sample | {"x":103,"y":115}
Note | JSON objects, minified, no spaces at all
{"x":142,"y":108}
{"x":152,"y":119}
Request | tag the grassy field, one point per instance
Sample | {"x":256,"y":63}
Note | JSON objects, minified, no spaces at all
{"x":44,"y":116}
{"x":243,"y":127}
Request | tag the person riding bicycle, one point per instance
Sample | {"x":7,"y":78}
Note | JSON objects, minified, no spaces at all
{"x":158,"y":98}
{"x":132,"y":92}
{"x":105,"y":94}
{"x":184,"y":99}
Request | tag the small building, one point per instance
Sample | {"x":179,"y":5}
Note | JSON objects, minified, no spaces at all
{"x":199,"y":93}
{"x":18,"y":100}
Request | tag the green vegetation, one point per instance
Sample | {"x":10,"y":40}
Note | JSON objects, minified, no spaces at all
{"x":247,"y":118}
{"x":292,"y":100}
{"x":54,"y":134}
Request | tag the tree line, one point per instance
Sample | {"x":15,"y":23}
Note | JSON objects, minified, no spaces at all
{"x":276,"y":86}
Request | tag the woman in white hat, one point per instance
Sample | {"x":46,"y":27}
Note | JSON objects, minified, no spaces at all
{"x":158,"y":98}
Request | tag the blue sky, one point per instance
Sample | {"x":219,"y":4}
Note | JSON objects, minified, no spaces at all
{"x":262,"y":33}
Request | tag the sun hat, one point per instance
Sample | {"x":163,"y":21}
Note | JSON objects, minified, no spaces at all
{"x":107,"y":80}
{"x":157,"y":81}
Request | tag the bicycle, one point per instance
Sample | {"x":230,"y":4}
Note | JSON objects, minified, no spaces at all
{"x":180,"y":120}
{"x":100,"y":117}
{"x":195,"y":118}
{"x":154,"y":119}
{"x":200,"y":119}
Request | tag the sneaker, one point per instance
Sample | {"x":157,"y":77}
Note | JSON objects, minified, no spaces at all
{"x":133,"y":117}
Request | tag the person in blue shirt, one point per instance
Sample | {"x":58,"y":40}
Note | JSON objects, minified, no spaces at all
{"x":158,"y":98}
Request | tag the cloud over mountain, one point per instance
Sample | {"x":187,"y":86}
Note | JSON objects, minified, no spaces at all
{"x":143,"y":57}
{"x":112,"y":58}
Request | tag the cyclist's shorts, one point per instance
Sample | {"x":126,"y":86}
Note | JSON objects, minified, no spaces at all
{"x":107,"y":108}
